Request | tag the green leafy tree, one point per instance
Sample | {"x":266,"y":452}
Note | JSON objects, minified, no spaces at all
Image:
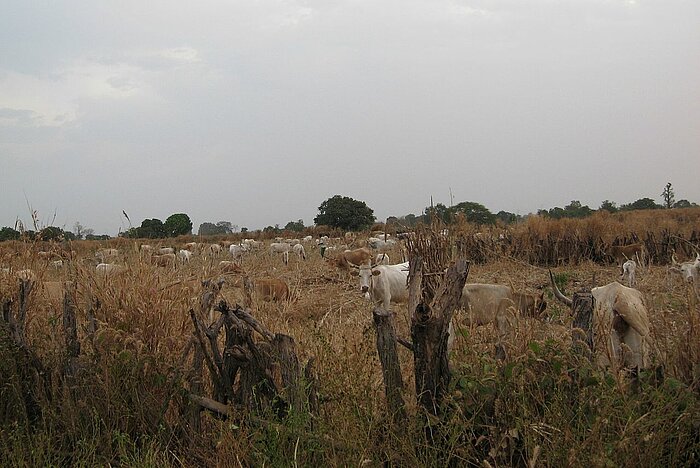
{"x":576,"y":210}
{"x":609,"y":206}
{"x":178,"y":224}
{"x":641,"y":204}
{"x":51,"y":233}
{"x":668,"y":196}
{"x":296,"y":226}
{"x":7,"y":233}
{"x":210,"y":229}
{"x":507,"y":217}
{"x":473,"y":212}
{"x":345,"y":213}
{"x":683,"y":203}
{"x":226,"y":227}
{"x":151,"y":229}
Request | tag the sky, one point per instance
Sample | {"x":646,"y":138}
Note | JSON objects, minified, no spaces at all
{"x":255,"y":112}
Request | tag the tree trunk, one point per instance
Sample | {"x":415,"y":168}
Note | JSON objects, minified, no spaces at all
{"x":429,"y":330}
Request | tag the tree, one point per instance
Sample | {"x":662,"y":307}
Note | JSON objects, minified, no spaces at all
{"x":51,"y":233}
{"x":641,"y":204}
{"x":345,"y":213}
{"x":178,"y":224}
{"x":683,"y":203}
{"x":473,"y":212}
{"x":439,"y":212}
{"x":296,"y":226}
{"x":209,"y":229}
{"x":225,"y":227}
{"x":668,"y":196}
{"x":576,"y":210}
{"x":7,"y":233}
{"x":609,"y":206}
{"x":151,"y":228}
{"x":507,"y":217}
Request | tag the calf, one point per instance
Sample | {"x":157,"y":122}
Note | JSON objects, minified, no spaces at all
{"x":267,"y":289}
{"x":629,"y":269}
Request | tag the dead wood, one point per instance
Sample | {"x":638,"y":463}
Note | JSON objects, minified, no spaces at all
{"x":391,"y":369}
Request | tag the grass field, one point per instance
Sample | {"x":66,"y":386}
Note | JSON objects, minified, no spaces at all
{"x":543,"y":406}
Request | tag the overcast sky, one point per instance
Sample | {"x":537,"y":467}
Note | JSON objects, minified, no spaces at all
{"x":255,"y":112}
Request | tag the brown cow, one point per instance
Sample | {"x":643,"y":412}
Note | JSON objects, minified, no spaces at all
{"x":228,"y":266}
{"x":622,"y":253}
{"x":352,"y":258}
{"x":267,"y":289}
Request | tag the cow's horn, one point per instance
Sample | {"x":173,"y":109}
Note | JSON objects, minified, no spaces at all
{"x":558,"y":293}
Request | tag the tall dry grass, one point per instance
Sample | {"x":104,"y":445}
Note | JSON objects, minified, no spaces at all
{"x":545,"y":405}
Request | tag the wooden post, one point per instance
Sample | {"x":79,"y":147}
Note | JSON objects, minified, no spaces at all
{"x":391,"y":369}
{"x":70,"y":329}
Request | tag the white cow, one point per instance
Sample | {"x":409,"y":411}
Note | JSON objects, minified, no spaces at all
{"x":283,"y":248}
{"x":214,"y":250}
{"x":166,"y":250}
{"x":619,"y":317}
{"x":299,"y":250}
{"x":384,"y":283}
{"x":184,"y":255}
{"x":237,"y":250}
{"x":689,"y":271}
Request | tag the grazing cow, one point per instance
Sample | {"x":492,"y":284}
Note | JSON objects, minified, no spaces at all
{"x":184,"y":255}
{"x":237,"y":250}
{"x":382,"y":259}
{"x":629,"y":269}
{"x":109,"y":269}
{"x":166,"y":250}
{"x":307,"y":239}
{"x":487,"y":303}
{"x":146,"y":249}
{"x":384,"y":283}
{"x":164,"y":260}
{"x":191,"y":246}
{"x":351,"y":258}
{"x":267,"y":289}
{"x":56,"y":264}
{"x":622,"y":253}
{"x":105,"y":254}
{"x":619,"y":317}
{"x":214,"y":250}
{"x":299,"y":250}
{"x":230,"y":267}
{"x":283,"y":248}
{"x":689,"y":271}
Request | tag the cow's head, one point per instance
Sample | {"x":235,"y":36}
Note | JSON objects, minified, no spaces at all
{"x":687,"y":270}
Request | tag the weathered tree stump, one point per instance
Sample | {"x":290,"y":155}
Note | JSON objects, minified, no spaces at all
{"x":429,"y":331}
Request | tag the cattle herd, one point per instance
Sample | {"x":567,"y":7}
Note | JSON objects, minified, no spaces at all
{"x":377,"y":267}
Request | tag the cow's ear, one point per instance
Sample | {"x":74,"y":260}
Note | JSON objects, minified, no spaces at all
{"x":355,"y":272}
{"x":376,"y":272}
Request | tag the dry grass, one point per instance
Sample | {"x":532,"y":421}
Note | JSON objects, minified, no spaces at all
{"x":531,"y":406}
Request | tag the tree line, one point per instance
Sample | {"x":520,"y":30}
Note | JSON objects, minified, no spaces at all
{"x":347,"y":214}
